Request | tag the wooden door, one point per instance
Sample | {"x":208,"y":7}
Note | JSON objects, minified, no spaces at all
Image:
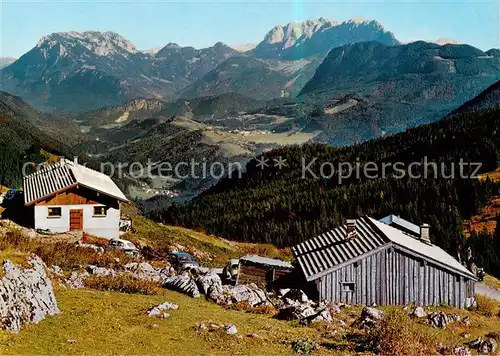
{"x":76,"y":220}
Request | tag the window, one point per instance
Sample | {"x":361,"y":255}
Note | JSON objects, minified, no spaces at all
{"x":99,"y":211}
{"x":348,"y":286}
{"x":54,"y":212}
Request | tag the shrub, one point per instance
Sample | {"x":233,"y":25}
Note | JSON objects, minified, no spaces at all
{"x":122,"y":283}
{"x":263,"y":309}
{"x":304,"y":346}
{"x":63,"y":254}
{"x":397,"y":334}
{"x":486,"y":306}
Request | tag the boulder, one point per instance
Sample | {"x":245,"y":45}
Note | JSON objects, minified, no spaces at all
{"x":208,"y":282}
{"x":369,"y":317}
{"x":418,"y":312}
{"x":182,"y":283}
{"x":441,"y":320}
{"x":145,"y":271}
{"x":296,"y":312}
{"x":26,"y":295}
{"x":486,"y":346}
{"x":76,"y":279}
{"x":245,"y":292}
{"x":56,"y":270}
{"x":466,"y":321}
{"x":231,"y":329}
{"x":296,"y":295}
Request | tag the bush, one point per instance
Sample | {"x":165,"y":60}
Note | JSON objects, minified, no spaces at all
{"x":63,"y":254}
{"x":122,"y":283}
{"x":397,"y":334}
{"x":304,"y":346}
{"x":486,"y":306}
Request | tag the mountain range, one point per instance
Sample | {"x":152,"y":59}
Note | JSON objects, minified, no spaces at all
{"x":77,"y":72}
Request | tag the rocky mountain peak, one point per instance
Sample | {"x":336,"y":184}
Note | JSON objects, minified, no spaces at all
{"x":99,"y":43}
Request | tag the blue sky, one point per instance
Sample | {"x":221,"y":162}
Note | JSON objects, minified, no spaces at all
{"x":151,"y":24}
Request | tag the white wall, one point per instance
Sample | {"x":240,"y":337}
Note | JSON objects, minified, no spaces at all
{"x":105,"y":226}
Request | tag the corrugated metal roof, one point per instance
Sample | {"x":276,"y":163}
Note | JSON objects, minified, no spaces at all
{"x":331,"y":249}
{"x":47,"y":181}
{"x":395,"y":220}
{"x":63,"y":175}
{"x":266,"y":261}
{"x":326,"y":252}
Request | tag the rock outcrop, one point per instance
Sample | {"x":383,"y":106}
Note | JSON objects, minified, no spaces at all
{"x":182,"y":283}
{"x":26,"y":295}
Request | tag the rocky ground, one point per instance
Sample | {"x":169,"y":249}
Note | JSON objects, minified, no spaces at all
{"x":110,"y":303}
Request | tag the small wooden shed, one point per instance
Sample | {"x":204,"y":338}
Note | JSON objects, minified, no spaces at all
{"x":261,"y":270}
{"x":368,"y":261}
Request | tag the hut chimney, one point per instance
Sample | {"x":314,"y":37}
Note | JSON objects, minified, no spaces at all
{"x":75,"y":160}
{"x":424,"y":233}
{"x":351,"y":228}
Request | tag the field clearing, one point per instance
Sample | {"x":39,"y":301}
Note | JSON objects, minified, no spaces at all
{"x":338,"y":108}
{"x":284,"y":138}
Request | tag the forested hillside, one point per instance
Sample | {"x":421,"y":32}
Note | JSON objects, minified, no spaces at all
{"x":21,"y":141}
{"x":279,"y":206}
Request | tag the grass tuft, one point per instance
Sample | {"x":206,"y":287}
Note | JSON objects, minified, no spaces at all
{"x":123,"y":283}
{"x":487,"y":306}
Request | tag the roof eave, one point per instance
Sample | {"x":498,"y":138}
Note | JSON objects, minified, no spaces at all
{"x":50,"y":195}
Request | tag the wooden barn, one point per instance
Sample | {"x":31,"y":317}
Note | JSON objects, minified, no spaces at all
{"x":368,"y":261}
{"x":261,"y":270}
{"x":67,"y":196}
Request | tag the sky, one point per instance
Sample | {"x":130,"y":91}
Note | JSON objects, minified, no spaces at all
{"x":154,"y":23}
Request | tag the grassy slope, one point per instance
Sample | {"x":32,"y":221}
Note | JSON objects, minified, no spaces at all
{"x":211,"y":250}
{"x":114,"y":323}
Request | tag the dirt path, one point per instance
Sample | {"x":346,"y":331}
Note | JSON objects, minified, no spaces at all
{"x":487,"y":291}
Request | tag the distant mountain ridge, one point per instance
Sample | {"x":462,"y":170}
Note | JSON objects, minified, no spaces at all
{"x":81,"y":71}
{"x":304,"y":39}
{"x":77,"y":72}
{"x":395,"y":87}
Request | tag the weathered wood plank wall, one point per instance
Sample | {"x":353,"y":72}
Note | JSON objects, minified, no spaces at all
{"x":391,"y":277}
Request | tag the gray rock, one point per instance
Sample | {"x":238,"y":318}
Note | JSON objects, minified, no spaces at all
{"x":57,"y":270}
{"x":296,"y":295}
{"x":372,"y":313}
{"x":488,"y":346}
{"x":441,"y":320}
{"x":208,"y":282}
{"x":466,"y":321}
{"x":182,"y":283}
{"x":418,"y":312}
{"x":245,"y":292}
{"x":231,"y":329}
{"x":76,"y":279}
{"x":296,"y":312}
{"x":168,"y":306}
{"x":461,"y":351}
{"x":26,"y":295}
{"x":369,"y":317}
{"x":145,"y":271}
